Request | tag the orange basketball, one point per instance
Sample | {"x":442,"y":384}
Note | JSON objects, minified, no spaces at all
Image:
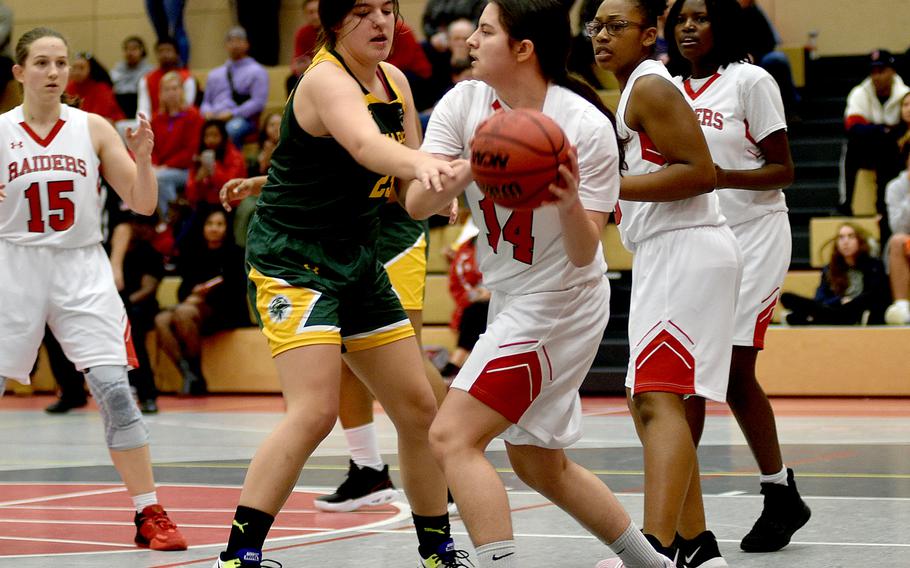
{"x":515,"y":156}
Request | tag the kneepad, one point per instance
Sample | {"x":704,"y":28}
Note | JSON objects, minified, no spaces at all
{"x":123,"y":425}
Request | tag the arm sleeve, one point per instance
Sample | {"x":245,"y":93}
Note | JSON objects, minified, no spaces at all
{"x":763,"y":105}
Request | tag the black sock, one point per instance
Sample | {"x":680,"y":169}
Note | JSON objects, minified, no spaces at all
{"x":248,"y":531}
{"x":431,"y":533}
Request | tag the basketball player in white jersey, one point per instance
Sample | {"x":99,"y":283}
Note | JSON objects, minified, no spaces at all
{"x":741,"y":113}
{"x":550,"y":299}
{"x":685,"y":275}
{"x":54,"y":268}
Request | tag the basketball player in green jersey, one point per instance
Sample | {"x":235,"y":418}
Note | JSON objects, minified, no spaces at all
{"x":402,"y":250}
{"x":317,"y":284}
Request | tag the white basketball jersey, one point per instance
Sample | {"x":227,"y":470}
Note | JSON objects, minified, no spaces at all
{"x":640,"y":220}
{"x":52,"y":183}
{"x":737,"y":107}
{"x":522,"y":251}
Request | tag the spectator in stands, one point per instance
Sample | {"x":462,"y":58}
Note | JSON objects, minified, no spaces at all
{"x":167,"y":19}
{"x":176,"y":126}
{"x":897,"y":198}
{"x":438,"y":14}
{"x":443,"y":62}
{"x":873,"y":110}
{"x":127,"y":74}
{"x":305,"y":42}
{"x":761,"y":42}
{"x":91,"y":89}
{"x":852,"y":285}
{"x":237,"y":91}
{"x":472,"y":303}
{"x":260,"y":20}
{"x":408,"y":56}
{"x":268,"y":141}
{"x":140,"y":271}
{"x":168,"y":60}
{"x":212,"y":296}
{"x":217,"y":161}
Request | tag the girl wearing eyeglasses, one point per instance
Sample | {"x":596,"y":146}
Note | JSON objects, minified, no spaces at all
{"x":741,"y":113}
{"x":686,"y":274}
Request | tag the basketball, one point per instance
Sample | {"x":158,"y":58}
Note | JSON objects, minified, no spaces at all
{"x":515,"y":156}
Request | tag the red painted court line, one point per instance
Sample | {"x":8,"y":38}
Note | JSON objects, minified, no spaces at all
{"x":51,"y":530}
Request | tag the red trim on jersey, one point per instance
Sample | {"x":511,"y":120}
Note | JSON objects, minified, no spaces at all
{"x":131,"y":359}
{"x":774,"y":293}
{"x":643,"y":337}
{"x":46,"y":141}
{"x":694,"y":94}
{"x":617,"y":213}
{"x":749,"y":134}
{"x":665,"y":365}
{"x":509,"y":384}
{"x":496,"y":105}
{"x":649,"y":151}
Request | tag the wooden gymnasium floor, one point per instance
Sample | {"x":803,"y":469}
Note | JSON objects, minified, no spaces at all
{"x":61,"y":505}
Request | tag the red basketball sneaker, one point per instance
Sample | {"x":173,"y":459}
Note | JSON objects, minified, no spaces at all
{"x":155,"y":530}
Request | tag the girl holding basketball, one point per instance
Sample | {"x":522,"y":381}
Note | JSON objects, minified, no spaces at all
{"x":348,"y":133}
{"x":545,"y":268}
{"x":742,"y":117}
{"x":685,"y":275}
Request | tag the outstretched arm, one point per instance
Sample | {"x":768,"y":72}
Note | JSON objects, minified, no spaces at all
{"x":134,"y":181}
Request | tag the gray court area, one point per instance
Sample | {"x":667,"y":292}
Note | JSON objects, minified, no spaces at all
{"x":854,"y":473}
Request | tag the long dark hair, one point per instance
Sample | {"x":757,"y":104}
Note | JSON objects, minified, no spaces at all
{"x":545,"y":23}
{"x":838,"y":268}
{"x":222,"y":148}
{"x":96,"y":71}
{"x":726,"y":27}
{"x":332,"y":13}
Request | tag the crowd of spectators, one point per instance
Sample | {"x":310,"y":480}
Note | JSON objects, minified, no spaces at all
{"x":205,"y":137}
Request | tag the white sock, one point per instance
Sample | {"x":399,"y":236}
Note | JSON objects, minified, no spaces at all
{"x":497,"y":555}
{"x":143,"y":500}
{"x":635,"y":551}
{"x":779,"y":478}
{"x":903,"y":303}
{"x":364,"y":447}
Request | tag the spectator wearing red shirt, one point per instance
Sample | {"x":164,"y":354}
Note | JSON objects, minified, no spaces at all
{"x":91,"y":87}
{"x":408,"y":55}
{"x":217,"y":162}
{"x":168,"y":60}
{"x":305,"y":40}
{"x":175,"y":126}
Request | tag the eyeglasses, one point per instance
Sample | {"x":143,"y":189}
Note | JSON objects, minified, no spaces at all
{"x":613,"y":27}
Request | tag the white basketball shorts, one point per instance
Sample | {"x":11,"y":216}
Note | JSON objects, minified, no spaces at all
{"x":766,"y":245}
{"x":685,"y":284}
{"x":532,"y":359}
{"x":72,"y":290}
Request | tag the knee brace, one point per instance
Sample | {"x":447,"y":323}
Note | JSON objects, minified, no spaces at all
{"x":123,"y":425}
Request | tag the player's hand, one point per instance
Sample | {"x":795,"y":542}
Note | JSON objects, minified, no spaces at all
{"x":2,"y":192}
{"x":235,"y":190}
{"x":141,"y":140}
{"x":565,"y":194}
{"x":431,"y":171}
